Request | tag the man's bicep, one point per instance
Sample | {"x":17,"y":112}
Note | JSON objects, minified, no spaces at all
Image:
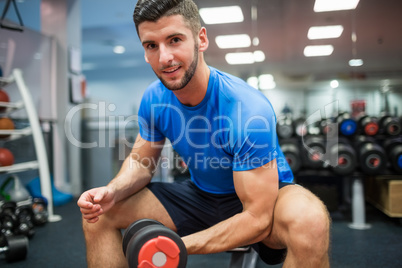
{"x":257,"y":189}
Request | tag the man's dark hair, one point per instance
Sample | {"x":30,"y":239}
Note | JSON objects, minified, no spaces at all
{"x":153,"y":10}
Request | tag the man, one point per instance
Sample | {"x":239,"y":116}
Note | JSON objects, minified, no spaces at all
{"x":240,"y":192}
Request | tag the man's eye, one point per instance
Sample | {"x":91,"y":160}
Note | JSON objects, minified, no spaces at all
{"x":175,"y":40}
{"x":151,"y":46}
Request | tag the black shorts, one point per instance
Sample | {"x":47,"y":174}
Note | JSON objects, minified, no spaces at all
{"x":193,"y":210}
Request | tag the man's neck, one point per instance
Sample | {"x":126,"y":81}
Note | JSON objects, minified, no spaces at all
{"x":194,"y":92}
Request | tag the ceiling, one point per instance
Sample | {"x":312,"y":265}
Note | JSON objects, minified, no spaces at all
{"x":281,"y":27}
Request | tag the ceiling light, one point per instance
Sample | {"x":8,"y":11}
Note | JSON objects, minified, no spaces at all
{"x":119,"y":49}
{"x":266,"y":81}
{"x":315,"y":51}
{"x":333,"y":5}
{"x":259,"y":56}
{"x":233,"y":41}
{"x":253,"y":81}
{"x":245,"y":57}
{"x":325,"y":32}
{"x":240,"y":58}
{"x":334,"y":84}
{"x":355,"y":62}
{"x":266,"y":77}
{"x":218,"y":15}
{"x":256,"y":41}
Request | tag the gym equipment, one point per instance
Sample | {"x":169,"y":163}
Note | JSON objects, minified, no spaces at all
{"x":39,"y":210}
{"x":58,"y":198}
{"x":12,"y":189}
{"x":393,"y":148}
{"x":7,"y":25}
{"x":368,"y":125}
{"x":291,"y":151}
{"x":3,"y":98}
{"x":347,"y":125}
{"x":328,"y":128}
{"x":8,"y":220}
{"x":6,"y":157}
{"x":372,"y":157}
{"x":300,"y":127}
{"x":314,"y":148}
{"x":243,"y":257}
{"x":148,"y":243}
{"x":6,"y":124}
{"x":24,"y":216}
{"x":284,"y":127}
{"x":343,"y":154}
{"x":15,"y":248}
{"x":358,"y":205}
{"x":390,"y":125}
{"x":17,"y":218}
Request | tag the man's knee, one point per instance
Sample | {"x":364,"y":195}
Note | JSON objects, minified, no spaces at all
{"x":314,"y":226}
{"x":308,"y":222}
{"x":105,"y":222}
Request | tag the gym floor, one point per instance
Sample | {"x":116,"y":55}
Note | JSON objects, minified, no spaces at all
{"x":61,"y":244}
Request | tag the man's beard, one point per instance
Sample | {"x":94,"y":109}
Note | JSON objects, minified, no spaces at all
{"x":187,"y":75}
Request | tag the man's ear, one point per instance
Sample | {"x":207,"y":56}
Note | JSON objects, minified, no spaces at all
{"x":203,"y":39}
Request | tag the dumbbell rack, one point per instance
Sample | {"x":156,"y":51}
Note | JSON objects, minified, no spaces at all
{"x":34,"y":129}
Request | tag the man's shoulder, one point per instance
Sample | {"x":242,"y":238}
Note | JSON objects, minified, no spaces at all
{"x":156,"y":86}
{"x":155,"y":92}
{"x":235,"y":89}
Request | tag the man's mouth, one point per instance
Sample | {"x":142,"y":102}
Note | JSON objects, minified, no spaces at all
{"x":171,"y":69}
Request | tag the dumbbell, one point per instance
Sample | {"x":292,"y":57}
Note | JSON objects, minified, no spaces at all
{"x":25,"y":224}
{"x":291,"y":151}
{"x":8,"y":219}
{"x":40,"y":213}
{"x":347,"y":125}
{"x":368,"y":125}
{"x":393,"y":148}
{"x":342,"y":156}
{"x":15,"y":248}
{"x":372,"y":157}
{"x":390,"y":125}
{"x":325,"y":126}
{"x":312,"y":151}
{"x":17,"y":219}
{"x":284,"y":127}
{"x":300,"y":126}
{"x":148,"y":243}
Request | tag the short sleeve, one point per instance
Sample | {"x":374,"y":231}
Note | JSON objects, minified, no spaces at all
{"x":255,"y":142}
{"x":148,"y":129}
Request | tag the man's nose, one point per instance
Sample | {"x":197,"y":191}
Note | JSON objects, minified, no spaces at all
{"x":165,"y":55}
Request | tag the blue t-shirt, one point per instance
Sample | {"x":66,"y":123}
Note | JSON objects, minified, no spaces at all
{"x":232,"y":129}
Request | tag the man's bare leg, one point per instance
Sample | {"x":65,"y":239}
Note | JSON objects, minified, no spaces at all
{"x":103,"y":238}
{"x":302,"y":225}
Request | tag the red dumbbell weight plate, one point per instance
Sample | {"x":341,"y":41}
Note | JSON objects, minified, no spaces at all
{"x":159,"y":252}
{"x":153,"y":245}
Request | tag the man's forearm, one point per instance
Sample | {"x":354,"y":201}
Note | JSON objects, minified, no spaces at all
{"x":240,"y":230}
{"x":132,"y":177}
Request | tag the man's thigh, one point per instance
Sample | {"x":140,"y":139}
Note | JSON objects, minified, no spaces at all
{"x":141,"y":205}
